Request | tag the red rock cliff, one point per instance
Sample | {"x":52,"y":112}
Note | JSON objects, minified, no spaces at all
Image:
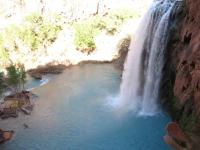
{"x":187,"y":84}
{"x":181,"y":80}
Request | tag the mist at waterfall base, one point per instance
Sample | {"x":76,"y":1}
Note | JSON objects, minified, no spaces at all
{"x":140,"y":86}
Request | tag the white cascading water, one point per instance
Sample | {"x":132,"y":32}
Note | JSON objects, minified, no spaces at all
{"x":143,"y":68}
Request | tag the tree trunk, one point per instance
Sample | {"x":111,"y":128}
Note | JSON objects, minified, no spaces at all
{"x":42,"y":7}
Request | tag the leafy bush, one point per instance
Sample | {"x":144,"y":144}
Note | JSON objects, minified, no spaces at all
{"x":13,"y":76}
{"x":86,"y":30}
{"x":34,"y":18}
{"x":38,"y":32}
{"x":16,"y":76}
{"x":35,"y":32}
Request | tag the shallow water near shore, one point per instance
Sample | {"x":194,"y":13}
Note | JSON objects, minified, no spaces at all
{"x":73,"y":113}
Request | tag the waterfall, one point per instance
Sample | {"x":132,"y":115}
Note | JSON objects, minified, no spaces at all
{"x":139,"y":90}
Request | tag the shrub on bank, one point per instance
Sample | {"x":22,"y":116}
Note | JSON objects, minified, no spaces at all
{"x":35,"y":32}
{"x":86,"y":30}
{"x":16,"y":76}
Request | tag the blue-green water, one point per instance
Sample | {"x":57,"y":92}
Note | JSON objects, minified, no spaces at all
{"x":73,"y":112}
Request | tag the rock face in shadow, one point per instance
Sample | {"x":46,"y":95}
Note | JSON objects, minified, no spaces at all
{"x":123,"y":48}
{"x":180,"y":89}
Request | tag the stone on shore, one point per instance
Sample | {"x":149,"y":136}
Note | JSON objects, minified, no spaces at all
{"x":48,"y":69}
{"x":15,"y":102}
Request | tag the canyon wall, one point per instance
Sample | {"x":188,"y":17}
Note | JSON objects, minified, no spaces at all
{"x":187,"y":83}
{"x":180,"y":89}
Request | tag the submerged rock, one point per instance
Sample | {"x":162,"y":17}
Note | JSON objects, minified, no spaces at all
{"x":5,"y":135}
{"x":25,"y":126}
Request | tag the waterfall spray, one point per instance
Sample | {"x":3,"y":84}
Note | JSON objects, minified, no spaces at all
{"x":143,"y":68}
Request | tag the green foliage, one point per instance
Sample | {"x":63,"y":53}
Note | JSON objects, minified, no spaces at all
{"x":38,"y":32}
{"x":29,"y":37}
{"x":16,"y":76}
{"x":86,"y":30}
{"x":35,"y":32}
{"x":13,"y":77}
{"x":1,"y":82}
{"x":10,"y":36}
{"x":34,"y":18}
{"x":22,"y":75}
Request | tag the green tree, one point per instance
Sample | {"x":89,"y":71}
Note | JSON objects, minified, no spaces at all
{"x":13,"y":77}
{"x":22,"y":75}
{"x":16,"y":76}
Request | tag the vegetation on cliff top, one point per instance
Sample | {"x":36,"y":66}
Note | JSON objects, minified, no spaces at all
{"x":86,"y":30}
{"x":37,"y":32}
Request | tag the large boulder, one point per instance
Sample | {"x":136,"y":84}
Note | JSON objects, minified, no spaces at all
{"x":176,"y":132}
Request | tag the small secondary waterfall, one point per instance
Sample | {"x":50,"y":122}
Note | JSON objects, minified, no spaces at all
{"x":143,"y":68}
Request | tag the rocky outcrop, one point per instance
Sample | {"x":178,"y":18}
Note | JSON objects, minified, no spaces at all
{"x":175,"y":137}
{"x":13,"y":103}
{"x":123,"y":47}
{"x":47,"y":69}
{"x":180,"y":92}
